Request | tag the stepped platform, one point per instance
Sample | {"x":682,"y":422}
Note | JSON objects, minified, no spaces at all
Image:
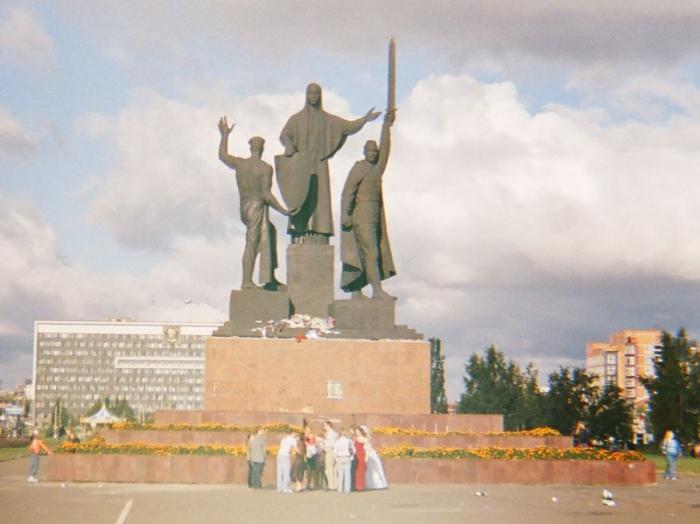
{"x":224,"y":470}
{"x":237,"y":438}
{"x":426,"y":422}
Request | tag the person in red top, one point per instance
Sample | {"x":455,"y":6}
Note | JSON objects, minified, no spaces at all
{"x":36,"y":446}
{"x":360,"y":459}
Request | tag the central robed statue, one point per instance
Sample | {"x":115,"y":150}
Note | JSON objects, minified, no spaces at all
{"x":310,"y":138}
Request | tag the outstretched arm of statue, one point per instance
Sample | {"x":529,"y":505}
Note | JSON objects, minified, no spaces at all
{"x":385,"y":140}
{"x":269,"y":197}
{"x":347,"y":201}
{"x":230,"y":160}
{"x":355,"y":125}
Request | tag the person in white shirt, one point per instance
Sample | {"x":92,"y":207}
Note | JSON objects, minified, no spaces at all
{"x":284,"y":462}
{"x":344,"y":450}
{"x":330,"y":437}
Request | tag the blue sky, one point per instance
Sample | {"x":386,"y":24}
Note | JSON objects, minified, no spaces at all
{"x":541,"y":191}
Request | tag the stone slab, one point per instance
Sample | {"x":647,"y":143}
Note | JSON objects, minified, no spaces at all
{"x":317,"y":376}
{"x":310,"y":278}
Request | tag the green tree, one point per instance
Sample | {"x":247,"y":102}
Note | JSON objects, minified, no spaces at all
{"x":571,"y":393}
{"x":671,"y":394}
{"x":438,"y":397}
{"x":494,"y":385}
{"x":533,"y":410}
{"x":611,"y":416}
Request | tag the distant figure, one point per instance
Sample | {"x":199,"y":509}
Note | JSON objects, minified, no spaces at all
{"x":257,"y":458}
{"x":364,"y":244}
{"x":360,"y":468}
{"x":287,"y":444}
{"x":375,"y":477}
{"x":344,"y":451}
{"x":36,"y":446}
{"x":310,"y":137}
{"x":254,"y":179}
{"x":582,"y":436}
{"x":671,"y":449}
{"x":330,"y":435}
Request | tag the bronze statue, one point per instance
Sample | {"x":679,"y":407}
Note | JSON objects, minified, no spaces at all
{"x":364,"y":246}
{"x":254,"y":180}
{"x":310,"y":137}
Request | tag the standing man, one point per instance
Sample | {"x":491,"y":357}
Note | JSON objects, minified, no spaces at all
{"x":254,"y":179}
{"x":257,"y":457}
{"x":284,"y":462}
{"x":364,"y":244}
{"x":344,"y":451}
{"x":310,"y":137}
{"x":330,"y":436}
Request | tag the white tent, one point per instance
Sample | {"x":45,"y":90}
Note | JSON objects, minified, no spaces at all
{"x":103,"y":416}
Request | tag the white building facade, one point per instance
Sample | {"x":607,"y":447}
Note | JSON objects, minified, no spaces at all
{"x":153,"y":365}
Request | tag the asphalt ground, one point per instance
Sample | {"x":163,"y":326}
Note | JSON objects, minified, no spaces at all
{"x":110,"y":503}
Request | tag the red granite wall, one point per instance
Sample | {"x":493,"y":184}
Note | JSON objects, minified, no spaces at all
{"x":238,"y":438}
{"x":219,"y":470}
{"x":427,"y":422}
{"x":258,"y":374}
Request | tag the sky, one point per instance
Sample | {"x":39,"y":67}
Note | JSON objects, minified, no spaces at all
{"x":542,"y":189}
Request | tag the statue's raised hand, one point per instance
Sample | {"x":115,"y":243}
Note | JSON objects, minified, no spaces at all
{"x":372,"y":115}
{"x":224,"y":129}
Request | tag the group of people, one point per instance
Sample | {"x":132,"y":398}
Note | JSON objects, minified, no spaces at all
{"x":336,"y":461}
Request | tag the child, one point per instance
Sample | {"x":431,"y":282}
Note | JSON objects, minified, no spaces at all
{"x":36,"y":445}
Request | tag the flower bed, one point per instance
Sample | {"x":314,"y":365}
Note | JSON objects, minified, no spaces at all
{"x":99,"y":446}
{"x":285,"y":428}
{"x":17,"y":442}
{"x":540,"y":453}
{"x":537,"y":432}
{"x":271,"y":428}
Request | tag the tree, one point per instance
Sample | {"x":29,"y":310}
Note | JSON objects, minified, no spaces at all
{"x":533,"y":411}
{"x":438,"y":398}
{"x":492,"y":385}
{"x":671,"y":394}
{"x":611,"y":416}
{"x":570,"y":395}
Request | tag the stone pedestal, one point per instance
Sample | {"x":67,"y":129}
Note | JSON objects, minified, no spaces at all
{"x":317,"y":376}
{"x":369,"y":318}
{"x":248,"y":306}
{"x":310,"y":278}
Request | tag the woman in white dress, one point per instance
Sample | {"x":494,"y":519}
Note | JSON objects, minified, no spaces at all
{"x":375,"y":477}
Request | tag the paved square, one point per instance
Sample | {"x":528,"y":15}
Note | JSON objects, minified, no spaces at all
{"x":76,"y":503}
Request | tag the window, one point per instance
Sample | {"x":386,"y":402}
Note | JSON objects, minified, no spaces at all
{"x":611,"y":358}
{"x":334,"y":389}
{"x":630,"y":361}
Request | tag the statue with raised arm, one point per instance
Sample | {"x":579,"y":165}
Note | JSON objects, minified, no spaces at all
{"x":310,"y":137}
{"x":254,"y":180}
{"x":364,"y":245}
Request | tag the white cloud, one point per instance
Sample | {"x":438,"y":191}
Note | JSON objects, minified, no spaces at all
{"x":15,"y":141}
{"x":23,"y":40}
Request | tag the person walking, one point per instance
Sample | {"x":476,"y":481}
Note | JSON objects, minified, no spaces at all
{"x":671,"y":449}
{"x":36,"y":446}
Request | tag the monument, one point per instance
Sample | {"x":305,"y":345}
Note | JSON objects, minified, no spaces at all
{"x":352,"y":365}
